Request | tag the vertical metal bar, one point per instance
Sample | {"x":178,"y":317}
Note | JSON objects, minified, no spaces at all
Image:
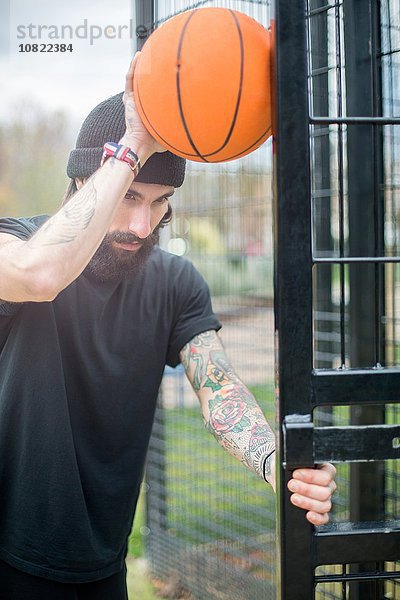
{"x":156,"y":496}
{"x":390,"y":175}
{"x":322,"y":238}
{"x":156,"y":512}
{"x":376,"y":85}
{"x":387,"y":20}
{"x":338,"y":42}
{"x":145,"y":19}
{"x":344,"y":586}
{"x":293,"y":282}
{"x":5,"y":28}
{"x":367,"y":481}
{"x":380,"y":338}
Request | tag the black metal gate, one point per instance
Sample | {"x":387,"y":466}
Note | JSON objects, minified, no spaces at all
{"x":336,"y":134}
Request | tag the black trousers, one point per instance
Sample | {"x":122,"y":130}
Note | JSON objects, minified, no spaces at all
{"x":17,"y":585}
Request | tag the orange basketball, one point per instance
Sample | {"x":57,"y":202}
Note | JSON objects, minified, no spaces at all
{"x":202,"y":84}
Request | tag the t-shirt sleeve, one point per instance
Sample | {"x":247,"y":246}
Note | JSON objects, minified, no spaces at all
{"x":22,"y":228}
{"x":194,"y":313}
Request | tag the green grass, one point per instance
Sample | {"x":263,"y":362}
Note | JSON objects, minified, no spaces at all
{"x":202,"y":479}
{"x":138,"y":582}
{"x":135,"y":543}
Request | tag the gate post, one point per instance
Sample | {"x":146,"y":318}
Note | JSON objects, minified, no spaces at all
{"x":293,"y":284}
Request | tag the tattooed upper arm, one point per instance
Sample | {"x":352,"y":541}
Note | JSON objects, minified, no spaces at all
{"x":206,"y":363}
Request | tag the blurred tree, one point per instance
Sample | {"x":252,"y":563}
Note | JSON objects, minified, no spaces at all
{"x":34,"y":147}
{"x":205,"y":237}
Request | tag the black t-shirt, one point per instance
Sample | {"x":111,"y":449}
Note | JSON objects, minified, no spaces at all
{"x":79,"y":378}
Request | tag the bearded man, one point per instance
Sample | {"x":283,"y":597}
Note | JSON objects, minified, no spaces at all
{"x":91,"y":311}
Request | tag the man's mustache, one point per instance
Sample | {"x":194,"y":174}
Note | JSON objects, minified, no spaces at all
{"x":124,"y":237}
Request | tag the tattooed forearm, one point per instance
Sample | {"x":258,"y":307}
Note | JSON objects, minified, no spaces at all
{"x":73,"y":218}
{"x":230,"y":411}
{"x":238,"y":424}
{"x":80,"y":213}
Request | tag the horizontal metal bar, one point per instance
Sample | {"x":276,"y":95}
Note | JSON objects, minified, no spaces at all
{"x":372,"y":576}
{"x":345,"y":387}
{"x":320,"y":315}
{"x":389,"y":53}
{"x":354,"y":121}
{"x":323,"y":9}
{"x":356,"y":259}
{"x":326,"y":336}
{"x":323,"y":193}
{"x":321,"y":132}
{"x":356,"y":443}
{"x":323,"y":70}
{"x":389,"y":186}
{"x":356,"y":543}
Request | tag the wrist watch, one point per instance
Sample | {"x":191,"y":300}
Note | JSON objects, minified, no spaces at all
{"x":123,"y":153}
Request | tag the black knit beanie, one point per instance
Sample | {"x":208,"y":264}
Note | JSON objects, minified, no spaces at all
{"x":106,"y":123}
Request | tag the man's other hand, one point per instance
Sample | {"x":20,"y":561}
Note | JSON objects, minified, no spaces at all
{"x":312,"y":490}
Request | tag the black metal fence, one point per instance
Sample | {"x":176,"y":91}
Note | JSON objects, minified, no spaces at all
{"x":342,"y":263}
{"x":337,"y":174}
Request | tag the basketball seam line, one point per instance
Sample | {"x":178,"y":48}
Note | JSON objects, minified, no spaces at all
{"x":187,"y":154}
{"x":197,"y":153}
{"x":239,"y":96}
{"x":178,"y":89}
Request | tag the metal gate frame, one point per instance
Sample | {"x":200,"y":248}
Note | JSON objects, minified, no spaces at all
{"x":301,"y":387}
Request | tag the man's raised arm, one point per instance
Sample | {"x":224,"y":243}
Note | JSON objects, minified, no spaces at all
{"x":39,"y":268}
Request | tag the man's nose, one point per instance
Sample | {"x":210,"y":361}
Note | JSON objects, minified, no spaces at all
{"x":140,"y":221}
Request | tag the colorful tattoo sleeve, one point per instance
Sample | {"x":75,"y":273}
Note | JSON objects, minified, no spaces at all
{"x":230,"y":411}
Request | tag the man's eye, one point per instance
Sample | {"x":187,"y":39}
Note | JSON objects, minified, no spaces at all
{"x":162,"y":200}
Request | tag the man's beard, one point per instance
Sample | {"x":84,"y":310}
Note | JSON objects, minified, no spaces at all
{"x":111,"y":263}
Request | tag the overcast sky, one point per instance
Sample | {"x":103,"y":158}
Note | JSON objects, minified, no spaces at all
{"x":76,"y":81}
{"x":71,"y":81}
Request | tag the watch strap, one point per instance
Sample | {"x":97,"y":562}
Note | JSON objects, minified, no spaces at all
{"x":123,"y":153}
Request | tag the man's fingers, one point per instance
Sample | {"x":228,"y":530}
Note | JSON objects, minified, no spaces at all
{"x":317,"y":518}
{"x":310,"y":490}
{"x":129,"y":75}
{"x":328,"y":468}
{"x":321,"y":476}
{"x":310,"y":504}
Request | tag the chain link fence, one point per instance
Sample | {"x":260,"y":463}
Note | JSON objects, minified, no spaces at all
{"x":211,"y":523}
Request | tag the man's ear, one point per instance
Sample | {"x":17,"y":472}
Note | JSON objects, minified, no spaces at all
{"x":79,"y":182}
